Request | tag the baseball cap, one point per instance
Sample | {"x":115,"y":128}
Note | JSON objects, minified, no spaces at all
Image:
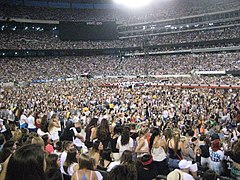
{"x":184,"y":164}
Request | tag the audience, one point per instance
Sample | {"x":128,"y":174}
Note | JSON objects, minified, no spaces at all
{"x":185,"y":127}
{"x":61,"y":67}
{"x":53,"y":167}
{"x":106,"y":128}
{"x":30,"y":39}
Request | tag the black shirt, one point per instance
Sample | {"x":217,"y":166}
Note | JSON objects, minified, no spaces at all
{"x":144,"y":174}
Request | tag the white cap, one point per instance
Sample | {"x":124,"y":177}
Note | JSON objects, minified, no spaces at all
{"x":184,"y":164}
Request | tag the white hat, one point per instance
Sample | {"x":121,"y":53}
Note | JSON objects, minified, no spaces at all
{"x":184,"y":164}
{"x":175,"y":175}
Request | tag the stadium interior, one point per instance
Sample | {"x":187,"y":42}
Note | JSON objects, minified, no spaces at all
{"x":119,"y":90}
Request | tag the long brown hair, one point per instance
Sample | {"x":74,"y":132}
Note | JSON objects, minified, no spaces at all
{"x":176,"y":139}
{"x":103,"y":132}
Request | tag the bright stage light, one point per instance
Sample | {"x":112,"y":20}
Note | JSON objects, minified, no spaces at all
{"x":133,"y":3}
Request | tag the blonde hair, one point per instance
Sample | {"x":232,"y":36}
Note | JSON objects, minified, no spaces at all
{"x":143,"y":131}
{"x":17,"y":135}
{"x":38,"y":141}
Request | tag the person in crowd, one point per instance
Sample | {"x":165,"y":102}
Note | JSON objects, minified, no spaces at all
{"x":38,"y":120}
{"x":53,"y":128}
{"x":100,"y":174}
{"x":70,"y":132}
{"x":91,"y":132}
{"x":43,"y":129}
{"x":95,"y":151}
{"x":85,"y":169}
{"x":103,"y":133}
{"x":67,"y":146}
{"x":167,"y":132}
{"x":53,"y":167}
{"x":191,"y":154}
{"x":58,"y":148}
{"x":127,"y":159}
{"x":23,"y":119}
{"x":234,"y":155}
{"x":79,"y":142}
{"x":124,"y":142}
{"x":146,"y":170}
{"x":70,"y":166}
{"x":216,"y":156}
{"x":116,"y":161}
{"x":48,"y":147}
{"x":39,"y":141}
{"x":114,"y":137}
{"x":235,"y":170}
{"x":105,"y":160}
{"x":158,"y":149}
{"x":17,"y":135}
{"x":204,"y":151}
{"x":31,"y":122}
{"x":142,"y":142}
{"x":184,"y":166}
{"x":28,"y":162}
{"x":176,"y":149}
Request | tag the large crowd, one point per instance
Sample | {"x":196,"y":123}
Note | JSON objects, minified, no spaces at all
{"x":32,"y":39}
{"x":85,"y":128}
{"x":77,"y":130}
{"x":29,"y":69}
{"x":164,"y":10}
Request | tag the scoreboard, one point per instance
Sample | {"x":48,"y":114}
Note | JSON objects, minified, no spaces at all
{"x":92,"y":30}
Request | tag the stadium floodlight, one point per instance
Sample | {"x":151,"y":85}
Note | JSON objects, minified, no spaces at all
{"x":133,"y":3}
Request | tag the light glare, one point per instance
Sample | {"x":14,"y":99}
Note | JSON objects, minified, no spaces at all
{"x":133,"y":3}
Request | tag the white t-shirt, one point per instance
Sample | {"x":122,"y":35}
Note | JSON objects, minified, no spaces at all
{"x":187,"y":176}
{"x":215,"y":160}
{"x":216,"y":156}
{"x":31,"y":122}
{"x":23,"y":119}
{"x":62,"y":160}
{"x":128,"y":146}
